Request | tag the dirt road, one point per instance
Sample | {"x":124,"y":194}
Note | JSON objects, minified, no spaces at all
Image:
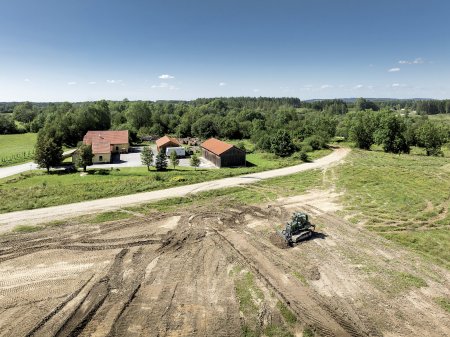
{"x":215,"y":272}
{"x":42,"y":215}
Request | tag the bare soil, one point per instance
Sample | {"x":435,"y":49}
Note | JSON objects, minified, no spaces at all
{"x":175,"y":275}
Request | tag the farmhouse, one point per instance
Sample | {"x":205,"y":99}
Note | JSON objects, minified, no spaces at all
{"x":222,"y":154}
{"x":105,"y":143}
{"x":165,"y":142}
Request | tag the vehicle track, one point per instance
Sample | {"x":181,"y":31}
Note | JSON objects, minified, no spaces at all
{"x":147,"y":277}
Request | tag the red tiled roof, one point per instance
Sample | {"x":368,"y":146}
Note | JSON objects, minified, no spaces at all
{"x":165,"y":140}
{"x":101,"y":147}
{"x":113,"y":137}
{"x":216,"y":146}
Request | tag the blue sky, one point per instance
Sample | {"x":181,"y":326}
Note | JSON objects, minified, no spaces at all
{"x":57,"y":50}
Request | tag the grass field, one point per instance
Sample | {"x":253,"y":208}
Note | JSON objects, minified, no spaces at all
{"x":403,"y":198}
{"x":38,"y":189}
{"x":16,"y":149}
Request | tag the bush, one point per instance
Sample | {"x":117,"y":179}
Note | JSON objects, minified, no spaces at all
{"x":303,"y":156}
{"x":316,"y":142}
{"x":282,"y":145}
{"x":306,"y":148}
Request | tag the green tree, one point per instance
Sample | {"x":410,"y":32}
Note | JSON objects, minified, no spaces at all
{"x":48,"y":152}
{"x":282,"y":145}
{"x":161,"y":161}
{"x":205,"y":127}
{"x":391,"y":133}
{"x":431,"y":137}
{"x":174,"y":161}
{"x":195,"y":161}
{"x":147,"y":157}
{"x":362,"y":126}
{"x":24,"y":112}
{"x":84,"y":156}
{"x":363,"y":104}
{"x":7,"y":125}
{"x":139,"y":114}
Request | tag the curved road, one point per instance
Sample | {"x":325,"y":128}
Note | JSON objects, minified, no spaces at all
{"x":42,"y":215}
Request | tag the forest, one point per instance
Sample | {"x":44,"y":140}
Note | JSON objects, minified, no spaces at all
{"x":396,"y":125}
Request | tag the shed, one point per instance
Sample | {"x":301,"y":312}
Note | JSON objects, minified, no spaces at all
{"x":165,"y":142}
{"x":222,"y":154}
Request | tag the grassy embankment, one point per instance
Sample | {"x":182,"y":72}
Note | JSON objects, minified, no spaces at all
{"x":38,"y":189}
{"x":16,"y":149}
{"x":403,"y":198}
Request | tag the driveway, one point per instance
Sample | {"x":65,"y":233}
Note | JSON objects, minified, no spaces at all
{"x":42,"y":215}
{"x":130,"y":159}
{"x":16,"y":169}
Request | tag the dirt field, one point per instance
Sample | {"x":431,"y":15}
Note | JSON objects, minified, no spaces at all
{"x":216,"y":272}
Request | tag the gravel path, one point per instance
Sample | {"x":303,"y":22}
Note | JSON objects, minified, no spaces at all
{"x":16,"y":169}
{"x":42,"y":215}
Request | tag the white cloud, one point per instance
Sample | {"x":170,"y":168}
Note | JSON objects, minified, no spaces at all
{"x":222,"y":84}
{"x":418,"y":60}
{"x":71,"y":83}
{"x":359,"y":86}
{"x":92,"y":82}
{"x":27,"y":80}
{"x":395,"y":85}
{"x":113,"y":81}
{"x":166,"y":77}
{"x":164,"y":85}
{"x":326,"y":86}
{"x":393,"y":70}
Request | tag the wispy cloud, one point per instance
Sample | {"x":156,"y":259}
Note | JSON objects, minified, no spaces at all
{"x":222,"y":84}
{"x":27,"y":80}
{"x":326,"y":86}
{"x":255,"y":90}
{"x":164,"y":85}
{"x":359,"y":86}
{"x":418,"y":60}
{"x":71,"y":83}
{"x":399,"y":85}
{"x":166,"y":77}
{"x":113,"y":81}
{"x":393,"y":70}
{"x":92,"y":82}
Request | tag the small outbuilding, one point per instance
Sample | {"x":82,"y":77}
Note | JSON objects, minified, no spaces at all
{"x":164,"y":142}
{"x":222,"y":154}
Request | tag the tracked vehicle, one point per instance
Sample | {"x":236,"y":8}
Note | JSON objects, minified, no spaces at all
{"x":298,"y":229}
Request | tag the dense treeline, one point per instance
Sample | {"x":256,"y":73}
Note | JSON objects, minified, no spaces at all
{"x":269,"y":122}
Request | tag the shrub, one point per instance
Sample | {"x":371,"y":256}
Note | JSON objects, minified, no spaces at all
{"x":303,"y":156}
{"x":316,"y":142}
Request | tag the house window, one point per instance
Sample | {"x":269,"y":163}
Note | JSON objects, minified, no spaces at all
{"x":100,"y":158}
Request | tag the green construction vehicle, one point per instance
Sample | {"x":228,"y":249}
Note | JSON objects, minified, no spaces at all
{"x":298,"y":229}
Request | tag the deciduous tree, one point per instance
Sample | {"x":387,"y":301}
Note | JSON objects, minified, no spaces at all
{"x":84,"y":156}
{"x":47,"y":152}
{"x":195,"y":161}
{"x":147,"y":157}
{"x":174,"y":161}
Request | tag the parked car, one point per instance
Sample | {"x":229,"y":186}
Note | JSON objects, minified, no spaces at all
{"x":180,"y":151}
